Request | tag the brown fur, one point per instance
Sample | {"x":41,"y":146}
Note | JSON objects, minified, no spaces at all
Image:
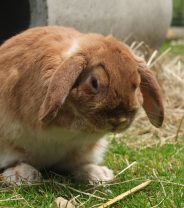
{"x":46,"y":77}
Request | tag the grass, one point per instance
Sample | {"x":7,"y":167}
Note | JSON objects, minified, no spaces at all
{"x":178,"y":12}
{"x":176,"y":48}
{"x":163,"y":164}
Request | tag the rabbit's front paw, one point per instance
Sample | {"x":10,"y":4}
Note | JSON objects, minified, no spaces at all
{"x":21,"y":173}
{"x":94,"y":173}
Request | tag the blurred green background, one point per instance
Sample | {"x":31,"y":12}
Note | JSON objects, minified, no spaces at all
{"x":178,"y":13}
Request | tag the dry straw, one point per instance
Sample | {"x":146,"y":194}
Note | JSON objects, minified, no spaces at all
{"x":169,"y":71}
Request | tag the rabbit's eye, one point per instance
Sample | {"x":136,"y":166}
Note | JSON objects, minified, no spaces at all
{"x":94,"y":84}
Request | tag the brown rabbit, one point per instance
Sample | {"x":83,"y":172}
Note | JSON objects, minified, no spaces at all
{"x":61,"y":92}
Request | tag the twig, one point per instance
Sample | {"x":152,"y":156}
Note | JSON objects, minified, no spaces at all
{"x":152,"y":57}
{"x":179,"y":79}
{"x":173,"y":183}
{"x":122,"y":171}
{"x":127,"y":193}
{"x":164,"y":192}
{"x":78,"y":191}
{"x":158,"y":203}
{"x":13,"y":198}
{"x":160,"y":57}
{"x":138,"y":45}
{"x":112,"y":183}
{"x":133,"y":44}
{"x":85,"y":193}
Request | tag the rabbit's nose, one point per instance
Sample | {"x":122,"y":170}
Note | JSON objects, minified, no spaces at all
{"x":115,"y":125}
{"x":117,"y":122}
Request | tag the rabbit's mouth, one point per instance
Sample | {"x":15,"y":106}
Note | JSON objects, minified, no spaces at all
{"x":117,"y":123}
{"x":116,"y":120}
{"x":121,"y":126}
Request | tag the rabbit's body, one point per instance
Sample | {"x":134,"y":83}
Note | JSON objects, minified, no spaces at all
{"x":47,"y":149}
{"x":60,"y":93}
{"x":16,"y":135}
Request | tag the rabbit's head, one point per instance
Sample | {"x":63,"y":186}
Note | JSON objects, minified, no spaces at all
{"x":104,"y":84}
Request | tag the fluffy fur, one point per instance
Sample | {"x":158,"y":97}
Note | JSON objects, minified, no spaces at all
{"x":61,"y":91}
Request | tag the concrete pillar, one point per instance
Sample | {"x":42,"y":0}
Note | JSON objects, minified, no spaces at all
{"x":39,"y":12}
{"x":146,"y":20}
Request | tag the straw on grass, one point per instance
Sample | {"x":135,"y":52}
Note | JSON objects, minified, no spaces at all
{"x":125,"y":194}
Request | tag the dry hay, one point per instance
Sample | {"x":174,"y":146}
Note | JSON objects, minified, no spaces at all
{"x":170,"y":74}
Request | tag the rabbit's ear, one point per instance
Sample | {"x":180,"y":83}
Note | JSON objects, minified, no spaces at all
{"x":150,"y":89}
{"x":60,"y":85}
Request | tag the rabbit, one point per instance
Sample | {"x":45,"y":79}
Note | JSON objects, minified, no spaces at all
{"x":61,"y":93}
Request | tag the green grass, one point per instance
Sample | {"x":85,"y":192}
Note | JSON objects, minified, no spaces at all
{"x":176,"y":49}
{"x":178,"y":13}
{"x":162,"y":164}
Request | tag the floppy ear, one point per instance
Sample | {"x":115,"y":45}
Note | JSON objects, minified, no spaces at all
{"x":150,"y":89}
{"x":60,"y":85}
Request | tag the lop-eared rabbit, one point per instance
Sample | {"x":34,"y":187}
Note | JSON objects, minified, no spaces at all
{"x":61,"y":92}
